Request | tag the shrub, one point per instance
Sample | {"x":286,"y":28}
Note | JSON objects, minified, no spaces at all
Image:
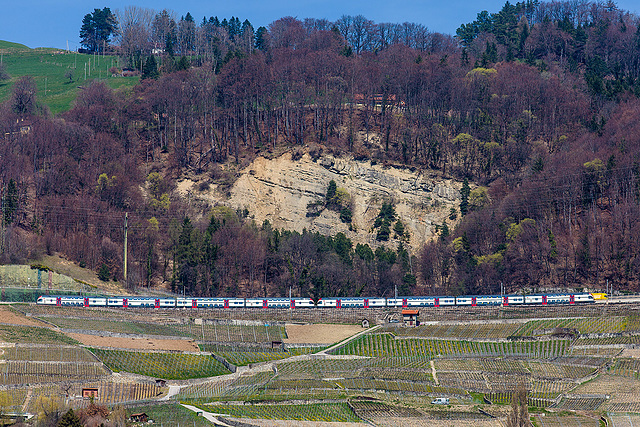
{"x":345,"y":215}
{"x":103,"y":273}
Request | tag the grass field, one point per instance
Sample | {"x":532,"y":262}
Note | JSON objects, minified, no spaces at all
{"x":10,"y":46}
{"x":49,"y":66}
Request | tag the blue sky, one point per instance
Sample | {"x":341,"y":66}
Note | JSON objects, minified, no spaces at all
{"x":51,"y":23}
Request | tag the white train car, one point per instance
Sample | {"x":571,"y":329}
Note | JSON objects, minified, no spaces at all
{"x":576,"y":298}
{"x":414,"y":302}
{"x":278,"y":303}
{"x":46,"y":300}
{"x":467,"y":300}
{"x":74,"y":301}
{"x":141,"y":302}
{"x":284,"y":303}
{"x":475,"y":300}
{"x":95,"y":301}
{"x":118,"y":302}
{"x":512,"y":300}
{"x":539,"y":299}
{"x":488,"y":300}
{"x":328,"y":302}
{"x":560,"y":299}
{"x":444,"y":301}
{"x":256,"y":303}
{"x":352,"y":302}
{"x":584,"y":297}
{"x":165,"y":302}
{"x":302,"y":303}
{"x":410,"y":301}
{"x":67,"y":300}
{"x":146,"y":302}
{"x":435,"y":301}
{"x":210,"y":302}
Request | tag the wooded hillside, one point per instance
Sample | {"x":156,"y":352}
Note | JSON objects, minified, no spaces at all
{"x":535,"y":107}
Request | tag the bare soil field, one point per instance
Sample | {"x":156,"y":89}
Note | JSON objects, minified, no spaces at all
{"x":135,"y":343}
{"x":319,"y":333}
{"x":10,"y":317}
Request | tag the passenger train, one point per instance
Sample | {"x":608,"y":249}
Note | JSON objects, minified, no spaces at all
{"x":346,"y":302}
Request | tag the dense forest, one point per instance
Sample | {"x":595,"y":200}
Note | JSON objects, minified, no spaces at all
{"x":534,"y":107}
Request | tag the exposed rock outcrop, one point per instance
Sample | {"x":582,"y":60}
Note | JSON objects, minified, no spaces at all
{"x":280,"y":189}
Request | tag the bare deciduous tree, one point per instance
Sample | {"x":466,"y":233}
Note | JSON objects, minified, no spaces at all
{"x":134,"y":37}
{"x":23,"y":99}
{"x":519,"y":416}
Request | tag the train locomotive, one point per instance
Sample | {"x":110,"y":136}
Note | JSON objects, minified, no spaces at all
{"x":328,"y":303}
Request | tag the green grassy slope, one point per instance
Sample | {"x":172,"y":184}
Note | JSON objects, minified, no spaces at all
{"x":49,"y":66}
{"x":11,"y":46}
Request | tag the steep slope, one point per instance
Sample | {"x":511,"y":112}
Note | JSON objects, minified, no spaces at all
{"x":280,"y":189}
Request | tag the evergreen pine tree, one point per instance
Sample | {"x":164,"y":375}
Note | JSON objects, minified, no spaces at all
{"x":464,"y":197}
{"x":261,"y":39}
{"x":331,"y":193}
{"x":399,"y":229}
{"x":383,"y":231}
{"x":10,"y":202}
{"x":69,"y":419}
{"x":444,"y":231}
{"x":103,"y":273}
{"x":97,"y":28}
{"x":150,"y":68}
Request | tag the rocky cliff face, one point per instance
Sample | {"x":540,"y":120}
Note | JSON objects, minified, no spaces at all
{"x":280,"y":189}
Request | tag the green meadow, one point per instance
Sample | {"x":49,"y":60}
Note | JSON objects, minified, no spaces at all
{"x":59,"y":75}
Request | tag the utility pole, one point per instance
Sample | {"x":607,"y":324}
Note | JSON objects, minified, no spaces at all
{"x":126,"y":217}
{"x":2,"y":220}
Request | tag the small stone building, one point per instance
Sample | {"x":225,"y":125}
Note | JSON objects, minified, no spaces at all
{"x":90,"y":393}
{"x":410,"y":317}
